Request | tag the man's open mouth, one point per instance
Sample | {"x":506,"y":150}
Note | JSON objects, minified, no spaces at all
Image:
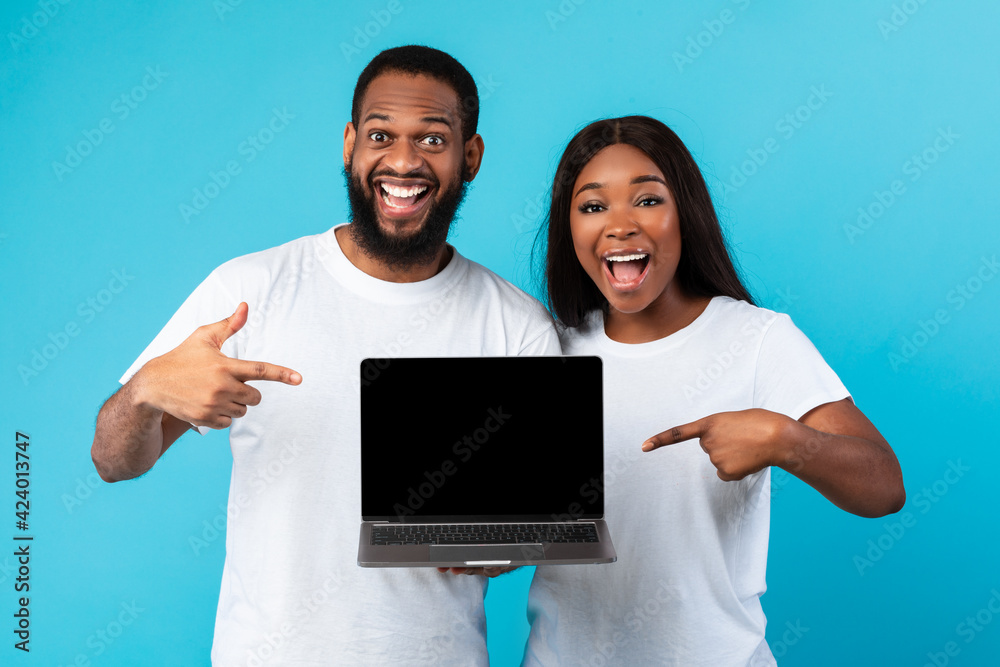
{"x":626,"y":270}
{"x":401,"y":199}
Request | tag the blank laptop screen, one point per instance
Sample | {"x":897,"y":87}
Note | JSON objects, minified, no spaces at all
{"x":488,"y":438}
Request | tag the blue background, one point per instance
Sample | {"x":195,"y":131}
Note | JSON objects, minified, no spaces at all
{"x":893,"y":76}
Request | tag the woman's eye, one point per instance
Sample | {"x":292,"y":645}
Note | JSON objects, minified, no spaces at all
{"x":590,"y":207}
{"x":377,"y":136}
{"x":650,"y":201}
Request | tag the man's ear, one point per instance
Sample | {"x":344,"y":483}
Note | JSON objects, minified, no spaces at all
{"x":473,"y":156}
{"x":350,"y":134}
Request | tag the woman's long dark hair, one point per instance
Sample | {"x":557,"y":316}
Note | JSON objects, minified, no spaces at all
{"x":705,"y":267}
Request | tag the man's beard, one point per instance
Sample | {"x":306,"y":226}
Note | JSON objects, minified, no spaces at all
{"x":400,"y":253}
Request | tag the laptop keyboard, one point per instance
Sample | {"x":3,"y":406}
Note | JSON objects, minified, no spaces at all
{"x":504,"y":533}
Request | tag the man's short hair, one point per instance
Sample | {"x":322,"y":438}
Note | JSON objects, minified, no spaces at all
{"x":416,"y":60}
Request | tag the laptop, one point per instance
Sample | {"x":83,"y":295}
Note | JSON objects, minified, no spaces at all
{"x":482,"y":462}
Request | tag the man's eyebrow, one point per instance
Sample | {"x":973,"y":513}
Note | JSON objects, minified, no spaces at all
{"x":638,"y":179}
{"x":444,"y":120}
{"x":377,"y":116}
{"x":374,"y":115}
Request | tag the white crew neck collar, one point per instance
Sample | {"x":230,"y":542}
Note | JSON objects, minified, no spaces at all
{"x":659,"y":345}
{"x":343,"y":271}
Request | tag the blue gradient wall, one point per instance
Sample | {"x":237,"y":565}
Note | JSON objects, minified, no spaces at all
{"x":851,"y":149}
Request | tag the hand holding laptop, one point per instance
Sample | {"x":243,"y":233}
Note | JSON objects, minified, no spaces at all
{"x":485,"y":571}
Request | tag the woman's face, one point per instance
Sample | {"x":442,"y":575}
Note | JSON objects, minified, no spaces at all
{"x":625,"y":229}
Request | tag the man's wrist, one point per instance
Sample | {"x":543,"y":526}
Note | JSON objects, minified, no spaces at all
{"x":137,"y":394}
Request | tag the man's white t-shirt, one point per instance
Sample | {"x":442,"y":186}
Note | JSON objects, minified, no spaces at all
{"x":292,"y":592}
{"x":692,"y":549}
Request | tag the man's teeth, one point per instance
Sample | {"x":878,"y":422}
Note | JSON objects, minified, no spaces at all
{"x":396,"y":191}
{"x":626,"y":258}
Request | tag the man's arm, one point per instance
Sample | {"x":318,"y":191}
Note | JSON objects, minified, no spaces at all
{"x":195,"y":383}
{"x":129,"y":437}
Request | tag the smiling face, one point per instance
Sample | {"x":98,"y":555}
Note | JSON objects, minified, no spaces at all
{"x":626,"y":234}
{"x":406,"y":165}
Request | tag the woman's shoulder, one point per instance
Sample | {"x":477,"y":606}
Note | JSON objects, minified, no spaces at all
{"x":744,"y":314}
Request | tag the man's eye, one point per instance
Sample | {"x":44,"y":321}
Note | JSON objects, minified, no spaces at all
{"x":378,"y":136}
{"x":433,"y":141}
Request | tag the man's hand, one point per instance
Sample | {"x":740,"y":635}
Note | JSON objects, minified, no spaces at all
{"x":195,"y":382}
{"x":738,"y":443}
{"x":485,"y":571}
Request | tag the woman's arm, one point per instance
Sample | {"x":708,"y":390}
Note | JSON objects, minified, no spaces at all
{"x":833,"y":448}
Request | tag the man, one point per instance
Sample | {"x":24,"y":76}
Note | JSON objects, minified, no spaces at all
{"x":387,"y":284}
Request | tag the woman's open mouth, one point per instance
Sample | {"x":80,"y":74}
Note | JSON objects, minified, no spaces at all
{"x":626,"y":272}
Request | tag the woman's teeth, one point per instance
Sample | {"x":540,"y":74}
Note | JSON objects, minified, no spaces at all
{"x":627,"y":268}
{"x":626,"y":258}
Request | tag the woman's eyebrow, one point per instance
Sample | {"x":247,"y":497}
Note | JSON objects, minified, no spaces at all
{"x":647,"y":178}
{"x":638,"y":179}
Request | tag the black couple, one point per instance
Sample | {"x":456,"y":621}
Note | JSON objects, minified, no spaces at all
{"x":636,"y":271}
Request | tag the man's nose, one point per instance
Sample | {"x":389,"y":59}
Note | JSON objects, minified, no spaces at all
{"x":403,"y":158}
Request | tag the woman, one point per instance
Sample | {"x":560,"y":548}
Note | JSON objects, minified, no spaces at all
{"x":638,"y":273}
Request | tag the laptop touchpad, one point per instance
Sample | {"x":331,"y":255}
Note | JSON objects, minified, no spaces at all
{"x":480,"y":552}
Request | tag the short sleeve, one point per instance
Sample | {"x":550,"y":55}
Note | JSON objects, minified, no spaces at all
{"x":545,"y":344}
{"x":792,"y":377}
{"x":208,"y":303}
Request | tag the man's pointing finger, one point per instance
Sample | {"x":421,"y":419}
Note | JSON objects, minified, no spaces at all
{"x":259,"y":370}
